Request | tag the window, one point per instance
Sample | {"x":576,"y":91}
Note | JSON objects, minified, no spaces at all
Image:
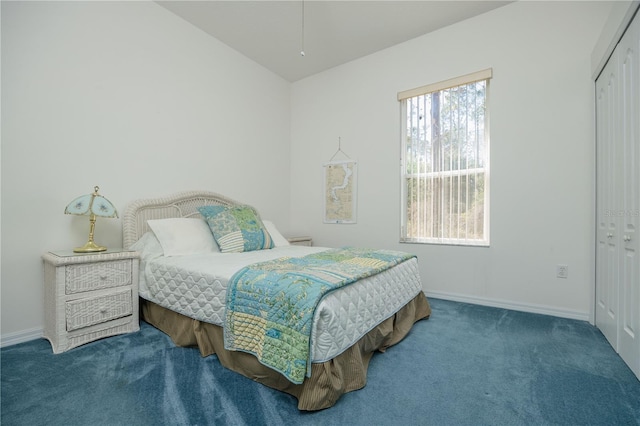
{"x":445,"y":162}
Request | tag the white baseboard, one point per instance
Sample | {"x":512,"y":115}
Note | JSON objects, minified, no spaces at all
{"x":20,"y":337}
{"x":515,"y":306}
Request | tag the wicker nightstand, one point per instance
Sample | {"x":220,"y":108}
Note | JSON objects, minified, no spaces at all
{"x":89,"y":296}
{"x":300,"y":241}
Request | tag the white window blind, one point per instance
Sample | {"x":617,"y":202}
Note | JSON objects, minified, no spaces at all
{"x":445,"y":161}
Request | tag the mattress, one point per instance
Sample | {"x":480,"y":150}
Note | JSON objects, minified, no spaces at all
{"x":195,"y":286}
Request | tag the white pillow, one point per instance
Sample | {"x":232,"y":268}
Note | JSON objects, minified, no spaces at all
{"x":182,"y":236}
{"x":276,"y":236}
{"x":148,"y":246}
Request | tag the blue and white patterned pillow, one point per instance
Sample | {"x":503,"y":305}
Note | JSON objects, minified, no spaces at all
{"x":236,"y":229}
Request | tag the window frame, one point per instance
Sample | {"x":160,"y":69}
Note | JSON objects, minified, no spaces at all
{"x":484,"y":75}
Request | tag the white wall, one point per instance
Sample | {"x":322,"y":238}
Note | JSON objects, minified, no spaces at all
{"x":542,"y":156}
{"x":127,"y":96}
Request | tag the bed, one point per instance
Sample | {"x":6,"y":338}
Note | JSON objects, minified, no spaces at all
{"x":183,"y":291}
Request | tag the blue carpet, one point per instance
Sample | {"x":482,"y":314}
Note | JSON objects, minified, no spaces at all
{"x":466,"y":365}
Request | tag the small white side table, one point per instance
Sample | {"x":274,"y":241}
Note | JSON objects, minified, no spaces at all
{"x":300,"y":241}
{"x":89,"y":296}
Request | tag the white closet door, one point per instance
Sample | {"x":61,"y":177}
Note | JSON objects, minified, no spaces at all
{"x":629,"y":314}
{"x":607,"y":258}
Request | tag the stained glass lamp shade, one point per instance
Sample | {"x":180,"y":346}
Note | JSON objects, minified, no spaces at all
{"x":91,"y":205}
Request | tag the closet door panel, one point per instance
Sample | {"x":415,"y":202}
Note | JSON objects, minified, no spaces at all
{"x":607,"y":260}
{"x":629,"y":343}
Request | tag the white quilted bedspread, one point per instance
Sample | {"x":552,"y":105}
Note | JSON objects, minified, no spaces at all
{"x":195,"y":286}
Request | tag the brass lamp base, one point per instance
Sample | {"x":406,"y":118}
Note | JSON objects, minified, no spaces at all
{"x":90,"y":247}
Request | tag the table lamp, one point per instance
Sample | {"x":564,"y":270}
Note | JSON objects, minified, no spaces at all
{"x":91,"y":205}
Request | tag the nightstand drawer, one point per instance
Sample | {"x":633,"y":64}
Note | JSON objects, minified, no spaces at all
{"x":85,"y":312}
{"x":87,"y":277}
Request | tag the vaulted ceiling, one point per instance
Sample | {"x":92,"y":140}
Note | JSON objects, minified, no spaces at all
{"x":273,"y":33}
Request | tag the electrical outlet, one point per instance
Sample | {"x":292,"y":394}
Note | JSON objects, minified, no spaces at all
{"x":562,"y":271}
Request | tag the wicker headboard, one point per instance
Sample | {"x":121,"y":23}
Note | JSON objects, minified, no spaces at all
{"x":182,"y":204}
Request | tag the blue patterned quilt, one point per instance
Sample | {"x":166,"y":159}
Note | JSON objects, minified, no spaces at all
{"x":270,"y":305}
